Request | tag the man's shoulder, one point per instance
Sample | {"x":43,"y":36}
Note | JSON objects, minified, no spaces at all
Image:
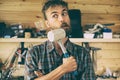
{"x":40,"y":45}
{"x":76,"y":45}
{"x":79,"y":47}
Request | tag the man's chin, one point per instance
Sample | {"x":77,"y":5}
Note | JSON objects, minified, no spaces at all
{"x":66,"y":28}
{"x":68,"y":31}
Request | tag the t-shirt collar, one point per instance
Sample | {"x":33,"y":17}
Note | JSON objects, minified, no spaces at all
{"x":51,"y":47}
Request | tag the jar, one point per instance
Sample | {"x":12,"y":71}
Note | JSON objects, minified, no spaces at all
{"x":107,"y":33}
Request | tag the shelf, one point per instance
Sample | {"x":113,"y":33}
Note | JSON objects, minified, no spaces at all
{"x":44,"y":39}
{"x":22,"y":39}
{"x":95,"y":40}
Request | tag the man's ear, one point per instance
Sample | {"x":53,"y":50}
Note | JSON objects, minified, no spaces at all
{"x":47,"y":24}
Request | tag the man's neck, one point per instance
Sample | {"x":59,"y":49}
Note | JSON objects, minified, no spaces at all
{"x":62,"y":40}
{"x":57,"y":46}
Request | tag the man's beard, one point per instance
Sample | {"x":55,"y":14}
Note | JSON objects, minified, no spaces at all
{"x":67,"y":28}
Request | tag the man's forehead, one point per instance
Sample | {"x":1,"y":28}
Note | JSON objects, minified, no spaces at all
{"x":56,"y":8}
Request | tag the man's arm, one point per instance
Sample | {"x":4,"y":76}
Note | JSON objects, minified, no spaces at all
{"x":54,"y":75}
{"x":69,"y":64}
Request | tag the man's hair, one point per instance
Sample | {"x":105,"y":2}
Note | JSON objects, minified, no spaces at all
{"x":53,"y":3}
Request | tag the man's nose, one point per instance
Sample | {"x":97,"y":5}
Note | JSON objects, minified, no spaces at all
{"x":61,"y":18}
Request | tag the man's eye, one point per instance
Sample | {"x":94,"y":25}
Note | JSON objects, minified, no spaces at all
{"x":65,"y":13}
{"x":55,"y":16}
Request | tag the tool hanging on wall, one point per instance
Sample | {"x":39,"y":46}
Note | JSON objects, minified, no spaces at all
{"x":86,"y":45}
{"x":20,"y":53}
{"x":94,"y":57}
{"x":17,"y":58}
{"x":93,"y":54}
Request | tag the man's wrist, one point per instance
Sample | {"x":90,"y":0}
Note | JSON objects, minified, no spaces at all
{"x":62,"y":69}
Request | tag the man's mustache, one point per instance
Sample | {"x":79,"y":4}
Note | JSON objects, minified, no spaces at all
{"x":64,"y":25}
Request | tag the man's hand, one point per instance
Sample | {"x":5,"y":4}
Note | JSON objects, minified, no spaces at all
{"x":69,"y":64}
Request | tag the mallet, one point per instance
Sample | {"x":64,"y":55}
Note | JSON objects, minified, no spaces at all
{"x":57,"y":35}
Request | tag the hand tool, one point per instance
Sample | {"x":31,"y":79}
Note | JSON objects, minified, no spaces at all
{"x":57,"y":35}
